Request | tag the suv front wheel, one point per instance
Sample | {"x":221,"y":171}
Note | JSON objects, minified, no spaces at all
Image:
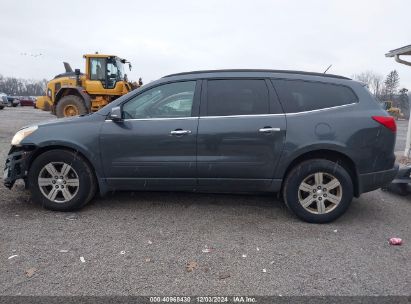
{"x":61,"y":180}
{"x":318,"y":190}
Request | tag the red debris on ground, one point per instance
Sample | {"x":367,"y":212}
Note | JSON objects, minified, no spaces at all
{"x":395,"y":241}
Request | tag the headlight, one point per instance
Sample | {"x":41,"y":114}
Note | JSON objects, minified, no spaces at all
{"x":23,"y":133}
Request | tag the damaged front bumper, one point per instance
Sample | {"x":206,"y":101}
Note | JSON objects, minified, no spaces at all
{"x":16,"y":166}
{"x":402,"y":182}
{"x":403,"y":176}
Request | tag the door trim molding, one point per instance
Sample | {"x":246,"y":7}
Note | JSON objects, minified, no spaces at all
{"x":164,"y":118}
{"x":241,"y":116}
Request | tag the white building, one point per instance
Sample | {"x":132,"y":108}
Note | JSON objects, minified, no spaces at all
{"x":404,"y":51}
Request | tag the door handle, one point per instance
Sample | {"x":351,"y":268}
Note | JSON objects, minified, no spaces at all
{"x":269,"y":130}
{"x":180,"y":132}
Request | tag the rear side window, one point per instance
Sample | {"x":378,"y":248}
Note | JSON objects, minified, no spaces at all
{"x":300,"y":96}
{"x":237,"y":97}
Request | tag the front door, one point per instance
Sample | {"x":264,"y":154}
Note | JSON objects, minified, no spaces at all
{"x":155,"y":144}
{"x":241,"y":135}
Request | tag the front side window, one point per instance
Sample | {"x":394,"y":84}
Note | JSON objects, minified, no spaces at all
{"x":299,"y":96}
{"x":97,"y":68}
{"x":171,"y":100}
{"x":237,"y":97}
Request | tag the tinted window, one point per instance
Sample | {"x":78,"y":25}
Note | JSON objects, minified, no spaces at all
{"x":237,"y":97}
{"x":165,"y":101}
{"x":300,"y":96}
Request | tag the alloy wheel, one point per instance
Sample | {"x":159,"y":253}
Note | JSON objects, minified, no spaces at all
{"x":320,"y":193}
{"x":58,"y":182}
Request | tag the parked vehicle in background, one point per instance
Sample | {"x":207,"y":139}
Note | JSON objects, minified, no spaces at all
{"x":13,"y":101}
{"x":318,"y":140}
{"x":26,"y":102}
{"x":402,"y":182}
{"x":3,"y":101}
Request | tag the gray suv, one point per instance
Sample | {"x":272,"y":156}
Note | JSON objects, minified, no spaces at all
{"x":317,"y":140}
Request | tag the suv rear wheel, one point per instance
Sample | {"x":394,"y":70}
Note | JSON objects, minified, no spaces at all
{"x":61,"y":180}
{"x":318,"y":190}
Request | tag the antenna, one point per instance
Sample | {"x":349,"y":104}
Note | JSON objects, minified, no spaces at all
{"x":328,"y":68}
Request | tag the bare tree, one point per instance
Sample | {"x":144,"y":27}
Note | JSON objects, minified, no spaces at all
{"x":377,"y":85}
{"x":373,"y":81}
{"x":22,"y":87}
{"x":364,"y":77}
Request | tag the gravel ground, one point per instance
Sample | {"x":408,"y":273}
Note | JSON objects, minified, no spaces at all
{"x":139,"y":243}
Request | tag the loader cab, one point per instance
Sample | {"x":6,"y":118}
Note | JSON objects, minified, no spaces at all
{"x":386,"y":105}
{"x":106,"y":69}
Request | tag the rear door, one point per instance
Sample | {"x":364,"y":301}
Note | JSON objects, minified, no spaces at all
{"x":241,"y":135}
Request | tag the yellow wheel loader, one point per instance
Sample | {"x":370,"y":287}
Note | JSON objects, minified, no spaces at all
{"x":394,"y":112}
{"x":75,"y":93}
{"x":43,"y":103}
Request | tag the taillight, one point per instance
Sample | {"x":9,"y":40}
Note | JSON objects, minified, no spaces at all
{"x":386,"y":121}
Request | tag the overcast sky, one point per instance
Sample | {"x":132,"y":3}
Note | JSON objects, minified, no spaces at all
{"x":163,"y":37}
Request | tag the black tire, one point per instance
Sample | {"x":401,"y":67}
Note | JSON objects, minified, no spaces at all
{"x":85,"y":176}
{"x":1,"y":107}
{"x":73,"y":101}
{"x":300,"y":173}
{"x":46,"y":107}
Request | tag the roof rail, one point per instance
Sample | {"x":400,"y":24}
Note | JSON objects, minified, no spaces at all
{"x":260,"y":70}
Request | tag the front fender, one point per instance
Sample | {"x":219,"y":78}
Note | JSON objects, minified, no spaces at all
{"x":92,"y":157}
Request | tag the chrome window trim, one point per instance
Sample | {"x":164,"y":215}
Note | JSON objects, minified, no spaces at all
{"x":241,"y":116}
{"x":322,"y":109}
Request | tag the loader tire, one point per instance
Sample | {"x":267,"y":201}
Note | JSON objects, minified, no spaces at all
{"x":46,"y":107}
{"x":70,"y":105}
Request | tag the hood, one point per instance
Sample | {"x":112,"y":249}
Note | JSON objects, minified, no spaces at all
{"x":60,"y":121}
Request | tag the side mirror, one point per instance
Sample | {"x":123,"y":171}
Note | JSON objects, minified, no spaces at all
{"x":115,"y":114}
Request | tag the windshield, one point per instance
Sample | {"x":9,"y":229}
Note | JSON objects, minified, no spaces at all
{"x":115,"y":69}
{"x":120,"y":69}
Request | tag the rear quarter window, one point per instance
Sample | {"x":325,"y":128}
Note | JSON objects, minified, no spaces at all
{"x":300,"y":95}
